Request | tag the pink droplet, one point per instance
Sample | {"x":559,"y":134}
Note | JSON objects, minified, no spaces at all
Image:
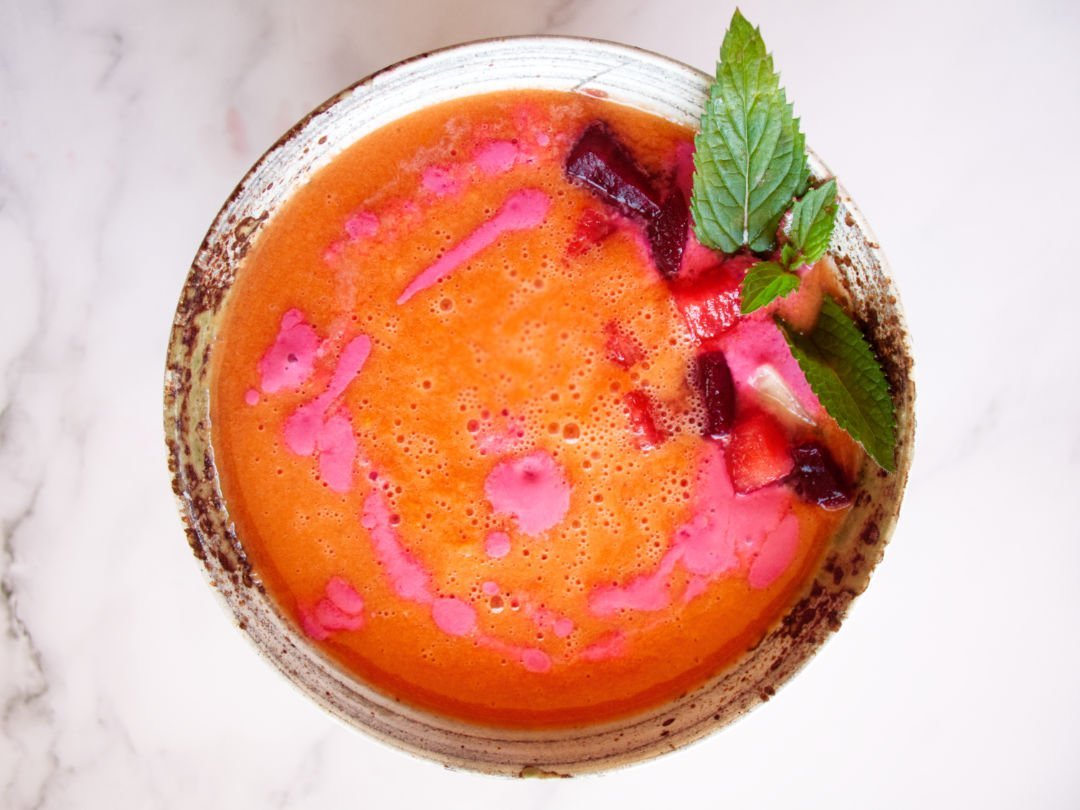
{"x":535,"y":660}
{"x":453,"y":616}
{"x":497,"y":545}
{"x":534,"y":489}
{"x":563,"y":627}
{"x":331,"y":617}
{"x":344,"y":595}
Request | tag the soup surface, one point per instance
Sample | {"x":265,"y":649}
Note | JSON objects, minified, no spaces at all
{"x":464,"y":413}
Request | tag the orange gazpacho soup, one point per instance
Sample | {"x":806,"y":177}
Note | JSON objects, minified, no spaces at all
{"x":492,"y":431}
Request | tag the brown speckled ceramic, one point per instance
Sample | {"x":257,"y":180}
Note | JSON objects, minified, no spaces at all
{"x":624,"y":75}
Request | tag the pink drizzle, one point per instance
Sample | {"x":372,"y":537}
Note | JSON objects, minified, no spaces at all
{"x":337,"y":452}
{"x":407,"y":576}
{"x":535,"y":660}
{"x":533,"y":489}
{"x":497,"y":545}
{"x":776,"y":554}
{"x":290,"y":360}
{"x":522,"y":210}
{"x":344,"y":595}
{"x":440,"y":181}
{"x":307,"y":429}
{"x":496,"y":157}
{"x":453,"y":616}
{"x":612,"y":645}
{"x":342,"y":608}
{"x":361,"y":225}
{"x":705,"y":546}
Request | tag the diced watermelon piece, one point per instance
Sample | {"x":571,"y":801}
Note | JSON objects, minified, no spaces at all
{"x":709,"y":303}
{"x":592,"y":229}
{"x":758,"y":453}
{"x":622,"y":349}
{"x":601,"y":163}
{"x":717,"y":393}
{"x":817,"y":478}
{"x":667,"y":234}
{"x":647,"y":435}
{"x":800,"y":309}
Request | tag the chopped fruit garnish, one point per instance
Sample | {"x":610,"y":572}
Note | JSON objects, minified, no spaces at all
{"x":758,"y":453}
{"x":800,"y":309}
{"x":642,"y":423}
{"x":602,"y":164}
{"x":709,"y":303}
{"x":717,"y":393}
{"x":777,"y":396}
{"x":816,"y":477}
{"x":667,"y":234}
{"x":592,"y":229}
{"x":622,"y":349}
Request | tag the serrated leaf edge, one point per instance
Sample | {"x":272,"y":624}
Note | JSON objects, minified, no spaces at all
{"x":782,"y":284}
{"x":881,"y":450}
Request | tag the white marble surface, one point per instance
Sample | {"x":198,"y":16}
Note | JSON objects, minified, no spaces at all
{"x":124,"y":125}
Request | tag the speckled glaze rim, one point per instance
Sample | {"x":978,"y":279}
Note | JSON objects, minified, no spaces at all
{"x":624,"y":75}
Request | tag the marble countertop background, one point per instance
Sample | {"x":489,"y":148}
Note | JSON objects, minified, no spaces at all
{"x":123,"y":127}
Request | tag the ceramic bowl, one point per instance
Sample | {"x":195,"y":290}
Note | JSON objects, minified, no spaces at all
{"x":623,"y":75}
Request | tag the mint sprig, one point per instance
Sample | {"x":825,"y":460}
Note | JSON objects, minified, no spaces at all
{"x":749,"y":164}
{"x":750,"y":157}
{"x":813,"y":219}
{"x":845,"y":375}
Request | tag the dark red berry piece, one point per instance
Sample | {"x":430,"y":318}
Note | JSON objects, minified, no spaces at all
{"x":602,"y":164}
{"x":817,"y":478}
{"x":667,"y":234}
{"x":642,"y":421}
{"x":717,"y":393}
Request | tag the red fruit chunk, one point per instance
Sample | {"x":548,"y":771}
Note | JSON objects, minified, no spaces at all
{"x":602,"y":164}
{"x":667,"y":234}
{"x":622,"y":349}
{"x":642,"y":423}
{"x":709,"y":303}
{"x":817,"y":478}
{"x":758,"y":453}
{"x":717,"y":393}
{"x":592,"y":229}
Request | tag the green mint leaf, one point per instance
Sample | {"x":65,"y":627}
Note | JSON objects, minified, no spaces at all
{"x":789,"y":256}
{"x":813,"y":219}
{"x":763,"y":284}
{"x":750,"y":157}
{"x":848,"y":380}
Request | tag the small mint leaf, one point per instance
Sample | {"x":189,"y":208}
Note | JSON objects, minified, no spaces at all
{"x":789,"y":256}
{"x":763,"y":284}
{"x":813,"y":219}
{"x":750,"y":157}
{"x":845,"y":375}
